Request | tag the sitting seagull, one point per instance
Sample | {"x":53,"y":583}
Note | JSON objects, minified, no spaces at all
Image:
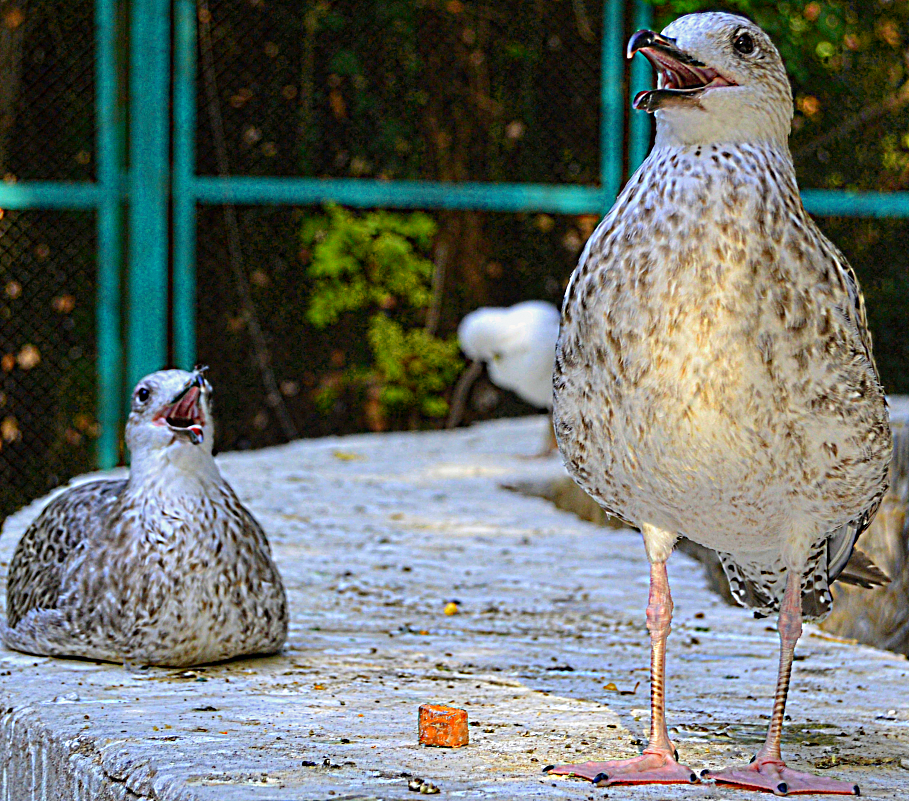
{"x":166,"y":567}
{"x":714,"y":376}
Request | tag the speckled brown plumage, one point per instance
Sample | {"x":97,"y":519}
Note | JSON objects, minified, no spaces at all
{"x":714,"y":375}
{"x":165,"y":568}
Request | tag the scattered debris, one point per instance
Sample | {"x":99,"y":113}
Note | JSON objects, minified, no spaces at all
{"x":348,"y":456}
{"x":195,"y":673}
{"x":838,"y":760}
{"x":422,"y":787}
{"x":611,"y":687}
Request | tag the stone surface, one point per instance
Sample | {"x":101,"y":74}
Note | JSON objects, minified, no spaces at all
{"x":547,"y":652}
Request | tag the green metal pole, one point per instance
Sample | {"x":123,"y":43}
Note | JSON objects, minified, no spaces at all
{"x":365,"y":192}
{"x":612,"y":99}
{"x":63,"y":194}
{"x":184,"y":199}
{"x":108,"y":143}
{"x":149,"y":82}
{"x":841,"y":203}
{"x":641,"y":79}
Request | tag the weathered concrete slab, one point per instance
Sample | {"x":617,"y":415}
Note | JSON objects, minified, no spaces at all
{"x":374,"y":534}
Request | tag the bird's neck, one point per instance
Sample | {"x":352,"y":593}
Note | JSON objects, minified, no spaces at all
{"x":765,"y":166}
{"x":718,"y":125}
{"x":186,"y":469}
{"x":767,"y":149}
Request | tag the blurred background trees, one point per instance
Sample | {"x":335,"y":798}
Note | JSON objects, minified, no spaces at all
{"x":503,"y":91}
{"x":357,"y":309}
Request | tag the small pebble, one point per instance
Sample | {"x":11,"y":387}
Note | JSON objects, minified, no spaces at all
{"x":422,"y":787}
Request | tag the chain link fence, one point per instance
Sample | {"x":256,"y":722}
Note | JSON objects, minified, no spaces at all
{"x":442,"y":90}
{"x":437,"y":90}
{"x":47,"y":259}
{"x":428,"y":90}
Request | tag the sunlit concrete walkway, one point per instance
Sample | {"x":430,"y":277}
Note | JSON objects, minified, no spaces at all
{"x":548,"y":652}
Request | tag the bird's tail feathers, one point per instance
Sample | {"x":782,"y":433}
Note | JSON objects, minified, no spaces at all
{"x":760,"y":584}
{"x":46,"y":632}
{"x":860,"y":571}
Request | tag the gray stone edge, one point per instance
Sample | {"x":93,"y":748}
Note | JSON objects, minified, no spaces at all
{"x":35,"y":763}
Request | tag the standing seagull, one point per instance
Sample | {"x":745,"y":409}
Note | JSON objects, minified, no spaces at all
{"x":518,"y":345}
{"x":164,"y":568}
{"x":714,"y":375}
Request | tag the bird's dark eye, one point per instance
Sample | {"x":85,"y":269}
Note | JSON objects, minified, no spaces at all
{"x":142,"y":394}
{"x":743,"y":43}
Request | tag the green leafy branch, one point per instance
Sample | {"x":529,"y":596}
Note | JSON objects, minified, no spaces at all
{"x":372,"y":284}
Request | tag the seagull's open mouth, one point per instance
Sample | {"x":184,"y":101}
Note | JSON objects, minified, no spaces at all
{"x":184,"y":415}
{"x":680,"y":78}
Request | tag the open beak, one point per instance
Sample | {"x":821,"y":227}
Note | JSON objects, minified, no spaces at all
{"x":184,"y":414}
{"x":680,"y":77}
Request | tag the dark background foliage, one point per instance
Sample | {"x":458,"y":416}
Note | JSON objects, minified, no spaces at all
{"x":47,"y":281}
{"x":451,"y":90}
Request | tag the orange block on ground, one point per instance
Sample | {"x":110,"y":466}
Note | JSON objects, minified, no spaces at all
{"x":443,"y":726}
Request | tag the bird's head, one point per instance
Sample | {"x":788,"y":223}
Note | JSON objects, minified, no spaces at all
{"x":171,"y":411}
{"x":719,"y":79}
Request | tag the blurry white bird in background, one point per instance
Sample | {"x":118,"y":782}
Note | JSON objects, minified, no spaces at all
{"x":517,"y":344}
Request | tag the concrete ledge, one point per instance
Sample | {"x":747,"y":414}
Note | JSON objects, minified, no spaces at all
{"x":548,"y":652}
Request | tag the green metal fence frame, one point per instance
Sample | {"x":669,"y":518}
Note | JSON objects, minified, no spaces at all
{"x":159,"y":181}
{"x":104,"y":196}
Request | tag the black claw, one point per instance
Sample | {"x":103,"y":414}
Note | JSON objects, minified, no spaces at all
{"x":600,"y":777}
{"x":548,"y":768}
{"x":693,"y":778}
{"x":705,"y":773}
{"x":855,"y":789}
{"x":782,"y":788}
{"x":675,"y":755}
